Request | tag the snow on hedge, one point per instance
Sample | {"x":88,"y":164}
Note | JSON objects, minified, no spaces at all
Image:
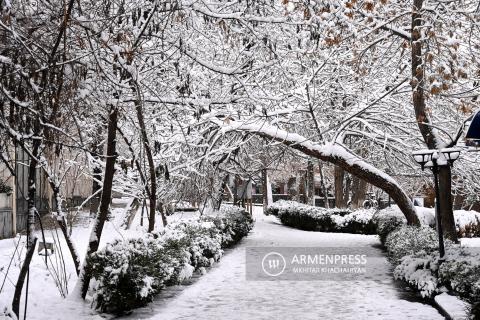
{"x":128,"y":273}
{"x":310,"y":218}
{"x":414,"y":253}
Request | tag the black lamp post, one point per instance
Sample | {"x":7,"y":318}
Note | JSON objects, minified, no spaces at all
{"x":434,"y":159}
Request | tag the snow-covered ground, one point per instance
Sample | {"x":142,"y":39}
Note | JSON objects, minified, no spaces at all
{"x":45,"y":301}
{"x":224,"y":293}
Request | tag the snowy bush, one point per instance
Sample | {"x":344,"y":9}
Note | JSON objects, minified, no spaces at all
{"x":359,"y":221}
{"x":419,"y":271}
{"x":307,"y":218}
{"x":388,"y":220}
{"x":413,"y":251}
{"x":409,"y":240}
{"x":310,"y":218}
{"x":467,"y":223}
{"x":461,"y":272}
{"x":233,"y":222}
{"x":128,"y":273}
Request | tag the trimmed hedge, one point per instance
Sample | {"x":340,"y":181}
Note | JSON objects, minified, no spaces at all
{"x":310,"y":218}
{"x":127,"y":274}
{"x":414,"y":253}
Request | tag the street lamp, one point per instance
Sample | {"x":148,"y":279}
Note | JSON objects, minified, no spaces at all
{"x":434,"y":159}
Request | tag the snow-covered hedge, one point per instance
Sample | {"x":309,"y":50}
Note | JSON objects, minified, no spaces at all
{"x":387,"y":220}
{"x":408,"y":240}
{"x":310,"y":218}
{"x":414,"y":253}
{"x":461,"y":272}
{"x":129,"y":273}
{"x":467,"y":223}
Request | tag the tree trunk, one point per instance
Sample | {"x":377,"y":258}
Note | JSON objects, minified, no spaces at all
{"x":326,"y":204}
{"x":310,"y":183}
{"x":429,"y":136}
{"x":21,"y":278}
{"x":302,"y":190}
{"x":339,"y":175}
{"x":346,"y":192}
{"x":151,"y":170}
{"x":445,"y":189}
{"x":269,"y":191}
{"x":264,"y":189}
{"x":32,"y":211}
{"x":105,"y":200}
{"x":97,"y":173}
{"x":359,"y":190}
{"x":236,"y":190}
{"x":292,"y":186}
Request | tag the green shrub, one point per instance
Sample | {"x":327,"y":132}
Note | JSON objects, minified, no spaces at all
{"x":419,"y":271}
{"x":461,"y":272}
{"x":386,"y":221}
{"x":307,"y":219}
{"x":409,"y":240}
{"x":127,"y":274}
{"x":310,"y":218}
{"x":359,"y":221}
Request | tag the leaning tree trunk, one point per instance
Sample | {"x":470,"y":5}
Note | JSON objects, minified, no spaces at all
{"x":62,"y":223}
{"x":429,"y":136}
{"x":334,"y":154}
{"x":85,"y":274}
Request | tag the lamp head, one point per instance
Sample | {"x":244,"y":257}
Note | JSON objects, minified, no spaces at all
{"x":451,"y":154}
{"x":422,"y":157}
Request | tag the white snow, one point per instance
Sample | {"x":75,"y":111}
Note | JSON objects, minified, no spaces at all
{"x":453,"y":306}
{"x":224,"y":293}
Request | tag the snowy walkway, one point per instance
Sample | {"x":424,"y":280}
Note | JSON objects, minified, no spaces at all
{"x":223,"y":293}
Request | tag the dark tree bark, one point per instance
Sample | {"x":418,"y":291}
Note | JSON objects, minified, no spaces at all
{"x":301,"y":187}
{"x":292,"y":188}
{"x":310,"y":183}
{"x":359,"y":190}
{"x":339,"y":175}
{"x":21,"y":278}
{"x":446,"y":201}
{"x":106,"y":198}
{"x":32,"y":211}
{"x":151,"y":169}
{"x":324,"y":186}
{"x":431,"y":140}
{"x":346,"y":192}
